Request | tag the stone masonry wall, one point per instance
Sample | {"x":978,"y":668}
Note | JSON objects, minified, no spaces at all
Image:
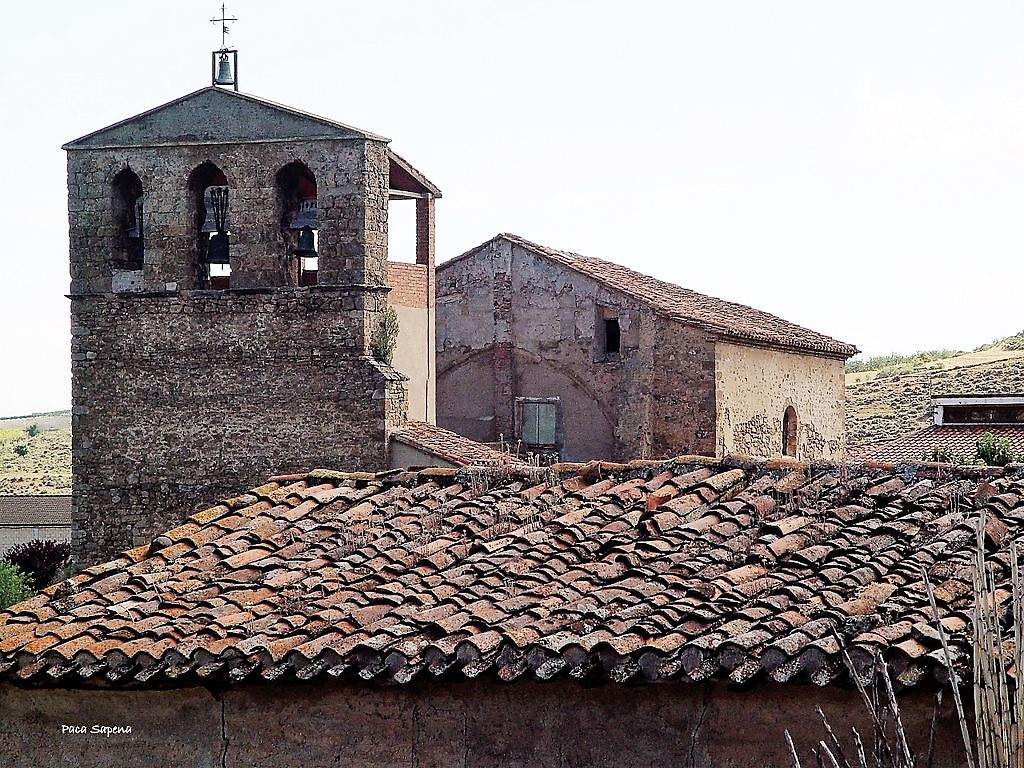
{"x":183,"y":398}
{"x":473,"y":725}
{"x":755,"y":386}
{"x":352,"y":202}
{"x":683,"y":418}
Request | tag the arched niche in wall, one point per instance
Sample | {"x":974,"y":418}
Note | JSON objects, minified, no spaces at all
{"x":208,"y":210}
{"x":128,"y":242}
{"x":789,"y":432}
{"x":297,"y":203}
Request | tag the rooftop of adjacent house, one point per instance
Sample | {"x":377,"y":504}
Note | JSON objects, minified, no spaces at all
{"x":725,"y":318}
{"x":947,"y":442}
{"x":684,"y":570}
{"x":35,"y":511}
{"x":449,"y":446}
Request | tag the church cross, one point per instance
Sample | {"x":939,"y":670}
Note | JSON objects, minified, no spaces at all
{"x":223,"y":21}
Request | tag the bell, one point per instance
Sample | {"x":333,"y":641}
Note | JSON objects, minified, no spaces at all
{"x":133,"y":220}
{"x":224,"y":71}
{"x":306,"y":247}
{"x":218,"y":251}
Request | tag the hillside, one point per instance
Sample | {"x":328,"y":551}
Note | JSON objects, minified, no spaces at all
{"x":893,"y":399}
{"x":46,"y":465}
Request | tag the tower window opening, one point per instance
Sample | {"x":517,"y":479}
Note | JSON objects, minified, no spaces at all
{"x":210,"y":195}
{"x":612,"y":335}
{"x":129,"y":244}
{"x":296,"y":188}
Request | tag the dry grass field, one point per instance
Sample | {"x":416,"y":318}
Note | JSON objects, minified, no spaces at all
{"x":894,"y":400}
{"x":45,"y":466}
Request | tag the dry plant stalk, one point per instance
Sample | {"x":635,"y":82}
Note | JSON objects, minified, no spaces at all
{"x":998,"y":706}
{"x":889,"y":745}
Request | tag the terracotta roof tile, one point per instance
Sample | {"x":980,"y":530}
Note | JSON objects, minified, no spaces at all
{"x":957,"y":441}
{"x":451,"y":447}
{"x":397,"y":576}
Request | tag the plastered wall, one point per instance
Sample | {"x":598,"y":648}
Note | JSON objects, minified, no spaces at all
{"x":414,"y":352}
{"x":510,"y":324}
{"x":473,"y":725}
{"x":754,"y":387}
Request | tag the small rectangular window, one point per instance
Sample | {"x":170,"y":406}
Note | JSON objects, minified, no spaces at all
{"x":538,"y":421}
{"x":612,"y":335}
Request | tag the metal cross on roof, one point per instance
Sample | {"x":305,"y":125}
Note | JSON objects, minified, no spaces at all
{"x":223,"y":21}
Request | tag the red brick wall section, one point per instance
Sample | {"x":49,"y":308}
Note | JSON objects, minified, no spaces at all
{"x":425,"y":231}
{"x":408,"y":284}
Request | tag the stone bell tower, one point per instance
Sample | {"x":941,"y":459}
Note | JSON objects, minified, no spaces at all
{"x":228,"y":271}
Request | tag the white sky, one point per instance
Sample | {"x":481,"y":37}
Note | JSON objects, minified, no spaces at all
{"x":854,"y":167}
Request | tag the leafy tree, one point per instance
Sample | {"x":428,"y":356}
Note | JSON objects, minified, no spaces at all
{"x":32,"y":430}
{"x":41,"y":561}
{"x":14,"y":586}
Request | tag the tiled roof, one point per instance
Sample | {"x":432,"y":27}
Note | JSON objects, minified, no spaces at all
{"x":683,"y":570}
{"x":449,"y":446}
{"x":21,"y":511}
{"x":958,"y":441}
{"x":730,"y":320}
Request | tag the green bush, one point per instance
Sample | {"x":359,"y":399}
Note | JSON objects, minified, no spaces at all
{"x":994,"y":451}
{"x":21,"y":449}
{"x":14,"y":586}
{"x":32,"y":430}
{"x":385,"y":337}
{"x":880,"y":362}
{"x":942,"y":454}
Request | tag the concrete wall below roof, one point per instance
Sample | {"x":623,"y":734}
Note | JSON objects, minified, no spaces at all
{"x":401,"y":455}
{"x":474,"y":725}
{"x":755,"y":386}
{"x":12,"y":535}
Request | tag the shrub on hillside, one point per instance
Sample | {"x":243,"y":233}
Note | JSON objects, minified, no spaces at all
{"x":32,"y":430}
{"x":41,"y":561}
{"x":14,"y":586}
{"x":994,"y":451}
{"x":21,"y":449}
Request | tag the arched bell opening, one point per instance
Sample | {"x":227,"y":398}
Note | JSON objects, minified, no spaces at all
{"x":129,"y":233}
{"x":296,"y":192}
{"x":208,"y":196}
